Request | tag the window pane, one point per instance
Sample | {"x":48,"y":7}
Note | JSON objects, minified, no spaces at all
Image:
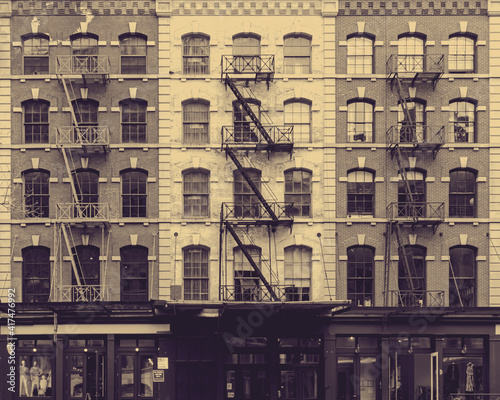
{"x":147,"y":366}
{"x":360,"y":275}
{"x":196,"y":52}
{"x":134,"y":194}
{"x":134,"y":115}
{"x":461,"y":54}
{"x":298,"y":192}
{"x":462,"y":122}
{"x":134,"y":273}
{"x":196,"y":270}
{"x":195,"y":123}
{"x":359,"y":55}
{"x":127,"y":371}
{"x":359,"y":122}
{"x":298,"y":115}
{"x":298,"y":273}
{"x":297,"y":55}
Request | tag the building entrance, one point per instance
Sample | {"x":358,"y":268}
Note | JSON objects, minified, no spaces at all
{"x":87,"y":376}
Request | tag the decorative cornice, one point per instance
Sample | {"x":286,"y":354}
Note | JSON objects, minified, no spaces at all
{"x":421,"y":7}
{"x":64,"y":8}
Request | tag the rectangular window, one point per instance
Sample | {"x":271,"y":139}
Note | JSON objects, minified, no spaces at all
{"x":196,"y":52}
{"x":196,"y":194}
{"x":359,"y":55}
{"x":195,"y":123}
{"x":298,"y":115}
{"x":298,"y":192}
{"x":36,"y":56}
{"x":297,"y":55}
{"x":196,"y":274}
{"x":133,"y":55}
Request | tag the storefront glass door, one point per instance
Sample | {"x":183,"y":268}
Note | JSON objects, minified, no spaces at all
{"x":87,"y":376}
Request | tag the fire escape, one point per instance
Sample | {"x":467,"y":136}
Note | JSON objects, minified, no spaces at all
{"x":80,"y":142}
{"x":412,"y":211}
{"x":253,"y":134}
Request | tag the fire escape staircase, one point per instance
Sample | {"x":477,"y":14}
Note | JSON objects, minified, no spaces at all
{"x":266,"y":213}
{"x":410,"y":213}
{"x":76,"y":214}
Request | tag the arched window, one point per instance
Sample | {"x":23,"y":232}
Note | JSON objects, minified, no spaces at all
{"x":247,"y":204}
{"x":133,"y":48}
{"x":36,"y":121}
{"x":134,"y":273}
{"x":244,"y":128}
{"x":196,"y":193}
{"x":36,"y":274}
{"x":360,"y":53}
{"x":298,"y":265}
{"x":412,"y":205}
{"x":246,"y":279}
{"x":298,"y":115}
{"x":462,"y":121}
{"x":86,"y":111}
{"x":196,"y":272}
{"x":462,"y":287}
{"x":360,"y":120}
{"x":36,"y":193}
{"x":411,"y":276}
{"x":462,"y":193}
{"x":360,"y":274}
{"x":87,"y":190}
{"x":36,"y":54}
{"x":134,"y":120}
{"x":297,"y":53}
{"x":84,"y":48}
{"x":360,"y":192}
{"x":134,"y":193}
{"x":411,"y":52}
{"x":196,"y":54}
{"x":461,"y":52}
{"x":195,"y":119}
{"x":246,"y":52}
{"x":411,"y":124}
{"x":88,"y":266}
{"x":298,"y":191}
{"x":84,"y":44}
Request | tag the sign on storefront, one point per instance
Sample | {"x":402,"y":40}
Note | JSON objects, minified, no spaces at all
{"x":162,"y":362}
{"x":158,"y":375}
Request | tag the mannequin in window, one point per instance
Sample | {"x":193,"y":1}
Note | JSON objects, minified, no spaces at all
{"x":469,"y":384}
{"x":43,"y":386}
{"x":24,"y":374}
{"x":35,"y":373}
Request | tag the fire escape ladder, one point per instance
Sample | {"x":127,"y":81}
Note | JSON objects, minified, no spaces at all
{"x":407,"y":258}
{"x":248,"y":109}
{"x":71,"y":180}
{"x":404,"y":175}
{"x":252,"y":185}
{"x":402,"y":99}
{"x":73,"y":115}
{"x":70,"y":252}
{"x":251,"y":261}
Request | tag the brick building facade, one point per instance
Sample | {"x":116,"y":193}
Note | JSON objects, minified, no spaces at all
{"x":249,"y":200}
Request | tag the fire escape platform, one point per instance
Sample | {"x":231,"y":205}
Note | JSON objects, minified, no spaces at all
{"x":415,"y":69}
{"x":83,"y":68}
{"x":84,"y":215}
{"x":89,"y":139}
{"x":257,"y":214}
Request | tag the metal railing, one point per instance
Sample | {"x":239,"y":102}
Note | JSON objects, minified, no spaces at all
{"x":429,"y":63}
{"x":249,"y":134}
{"x":82,"y":211}
{"x":263,"y":64}
{"x":416,"y":211}
{"x":256,"y":211}
{"x":84,"y":293}
{"x":473,"y":396}
{"x":425,"y":134}
{"x":83,"y":135}
{"x":259,"y":293}
{"x":87,"y":65}
{"x":415,"y":298}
